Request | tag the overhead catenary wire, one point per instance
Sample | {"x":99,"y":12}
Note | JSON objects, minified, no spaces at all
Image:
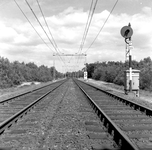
{"x":39,"y":22}
{"x":32,"y":25}
{"x":103,"y":25}
{"x":88,"y":23}
{"x":90,"y":16}
{"x":44,"y":30}
{"x":54,"y":43}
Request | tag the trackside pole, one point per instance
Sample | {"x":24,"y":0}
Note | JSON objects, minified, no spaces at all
{"x":130,"y":65}
{"x":127,"y":32}
{"x":54,"y":68}
{"x":85,"y":69}
{"x":132,"y":75}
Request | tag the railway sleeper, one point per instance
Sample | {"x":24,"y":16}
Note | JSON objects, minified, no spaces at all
{"x":136,"y":127}
{"x":139,"y":135}
{"x":121,"y":113}
{"x":144,"y":121}
{"x":143,"y":146}
{"x":128,"y":117}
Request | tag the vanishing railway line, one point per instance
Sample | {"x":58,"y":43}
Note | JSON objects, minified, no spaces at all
{"x":64,"y":119}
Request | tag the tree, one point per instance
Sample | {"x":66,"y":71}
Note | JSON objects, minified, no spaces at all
{"x":114,"y":72}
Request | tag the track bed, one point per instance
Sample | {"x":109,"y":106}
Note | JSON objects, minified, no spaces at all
{"x":63,"y":120}
{"x":133,"y":120}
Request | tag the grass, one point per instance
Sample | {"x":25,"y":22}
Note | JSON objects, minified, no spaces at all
{"x":13,"y":91}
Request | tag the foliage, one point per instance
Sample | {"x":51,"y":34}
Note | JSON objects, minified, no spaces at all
{"x":114,"y":72}
{"x":15,"y":73}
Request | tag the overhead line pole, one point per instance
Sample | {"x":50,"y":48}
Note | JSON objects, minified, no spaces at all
{"x":62,"y":54}
{"x":74,"y":54}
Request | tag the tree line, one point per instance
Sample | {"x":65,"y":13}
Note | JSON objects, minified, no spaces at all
{"x":113,"y":72}
{"x":14,"y":73}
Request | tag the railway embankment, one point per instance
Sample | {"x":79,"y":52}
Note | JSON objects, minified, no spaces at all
{"x":13,"y":91}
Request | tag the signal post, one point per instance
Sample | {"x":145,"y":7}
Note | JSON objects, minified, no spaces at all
{"x":131,"y":83}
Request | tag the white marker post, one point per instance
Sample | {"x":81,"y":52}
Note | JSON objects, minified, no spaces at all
{"x":85,"y":71}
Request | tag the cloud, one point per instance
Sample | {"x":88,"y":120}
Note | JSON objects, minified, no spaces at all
{"x":20,"y":41}
{"x":67,"y":11}
{"x":69,"y":17}
{"x":147,"y":10}
{"x":7,"y":34}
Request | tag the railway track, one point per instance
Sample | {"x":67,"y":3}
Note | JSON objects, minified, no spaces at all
{"x":63,"y":120}
{"x":16,"y":107}
{"x":129,"y":123}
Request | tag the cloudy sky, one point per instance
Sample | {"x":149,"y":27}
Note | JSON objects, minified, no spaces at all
{"x":67,"y":20}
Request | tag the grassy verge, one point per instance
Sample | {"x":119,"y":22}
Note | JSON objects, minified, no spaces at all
{"x":13,"y":91}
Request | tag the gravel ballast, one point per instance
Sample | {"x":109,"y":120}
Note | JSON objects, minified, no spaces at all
{"x":63,"y":121}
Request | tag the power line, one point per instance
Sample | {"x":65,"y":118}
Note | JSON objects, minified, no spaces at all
{"x":90,"y":16}
{"x":38,"y":21}
{"x":89,"y":22}
{"x":86,"y":25}
{"x":54,"y":43}
{"x":32,"y":25}
{"x":103,"y":25}
{"x":43,"y":29}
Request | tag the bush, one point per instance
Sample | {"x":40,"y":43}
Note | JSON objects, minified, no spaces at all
{"x":15,"y":73}
{"x":114,"y":72}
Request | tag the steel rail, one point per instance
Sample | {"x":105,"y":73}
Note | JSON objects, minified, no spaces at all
{"x":13,"y":119}
{"x":24,"y":93}
{"x":119,"y":137}
{"x":136,"y":106}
